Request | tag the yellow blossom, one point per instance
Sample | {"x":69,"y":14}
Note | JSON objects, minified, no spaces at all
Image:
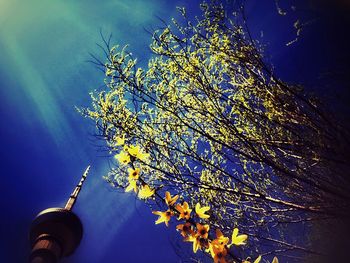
{"x":163,"y":216}
{"x":125,"y":148}
{"x":236,"y":239}
{"x":146,"y":192}
{"x":170,"y":200}
{"x":198,"y":242}
{"x":134,"y":173}
{"x":200,"y":238}
{"x":275,"y":260}
{"x":219,"y":253}
{"x":137,"y":152}
{"x":257,"y":260}
{"x":123,"y":157}
{"x":200,"y":211}
{"x":217,"y":247}
{"x":220,"y":238}
{"x":132,"y":186}
{"x":133,"y":150}
{"x":120,"y":140}
{"x":186,"y":229}
{"x":202,"y":230}
{"x":184,"y":210}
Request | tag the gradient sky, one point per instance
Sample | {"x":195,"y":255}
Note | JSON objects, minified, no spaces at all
{"x":46,"y":145}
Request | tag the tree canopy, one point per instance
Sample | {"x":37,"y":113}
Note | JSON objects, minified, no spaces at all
{"x":209,"y":121}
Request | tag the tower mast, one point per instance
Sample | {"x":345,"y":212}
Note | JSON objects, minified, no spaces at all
{"x":73,"y":197}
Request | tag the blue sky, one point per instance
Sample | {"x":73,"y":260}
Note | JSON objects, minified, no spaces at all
{"x":46,"y":144}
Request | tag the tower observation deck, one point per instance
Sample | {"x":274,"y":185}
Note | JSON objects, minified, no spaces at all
{"x":56,"y":232}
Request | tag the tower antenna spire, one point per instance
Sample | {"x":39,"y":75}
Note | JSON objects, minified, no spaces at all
{"x":74,"y":196}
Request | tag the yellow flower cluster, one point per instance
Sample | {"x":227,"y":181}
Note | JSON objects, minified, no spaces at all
{"x":130,"y":152}
{"x":198,"y":233}
{"x":127,"y":156}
